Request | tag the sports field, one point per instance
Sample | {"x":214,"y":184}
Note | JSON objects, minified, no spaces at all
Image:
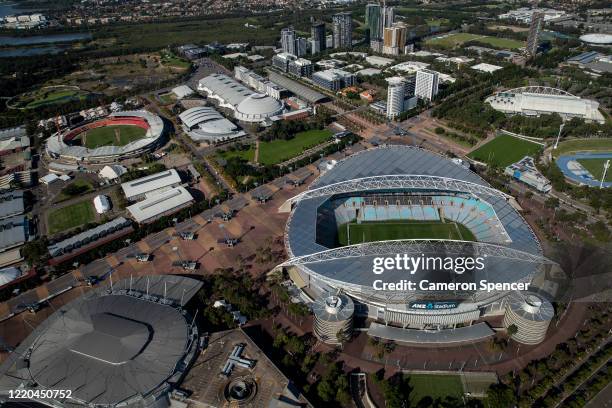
{"x":504,"y":150}
{"x":114,"y":135}
{"x":583,"y":145}
{"x":595,"y":167}
{"x":454,"y":40}
{"x":369,"y":231}
{"x":70,"y":216}
{"x":430,"y":386}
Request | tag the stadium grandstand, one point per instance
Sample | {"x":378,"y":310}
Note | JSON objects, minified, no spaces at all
{"x":247,"y":105}
{"x":205,"y":125}
{"x":538,"y":100}
{"x":394,"y":201}
{"x":127,"y":344}
{"x":118,"y":136}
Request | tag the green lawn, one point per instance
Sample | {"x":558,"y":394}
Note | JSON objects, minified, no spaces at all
{"x":454,"y":40}
{"x":53,"y":96}
{"x":583,"y":145}
{"x":80,"y":186}
{"x":277,"y":151}
{"x":172,"y":60}
{"x":167,"y":98}
{"x":107,"y":135}
{"x":595,"y":167}
{"x":504,"y":150}
{"x":70,"y":216}
{"x":434,"y":386}
{"x":248,"y":155}
{"x":397,"y":229}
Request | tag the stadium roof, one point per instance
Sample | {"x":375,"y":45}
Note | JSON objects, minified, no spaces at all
{"x":57,"y":147}
{"x":231,"y":91}
{"x":301,"y":233}
{"x":597,"y":38}
{"x":535,"y":100}
{"x":164,"y":179}
{"x":204,"y":123}
{"x":11,"y":203}
{"x":160,"y":202}
{"x":302,"y":91}
{"x":107,"y":347}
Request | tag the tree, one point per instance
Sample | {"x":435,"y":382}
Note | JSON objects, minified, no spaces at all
{"x":500,"y":396}
{"x":552,"y":202}
{"x":512,"y":330}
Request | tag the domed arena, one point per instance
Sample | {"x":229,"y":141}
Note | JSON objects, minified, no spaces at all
{"x":118,"y":136}
{"x":123,"y":345}
{"x":417,"y":241}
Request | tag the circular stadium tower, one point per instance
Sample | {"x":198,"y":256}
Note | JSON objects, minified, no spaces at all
{"x":410,"y":236}
{"x":119,"y":136}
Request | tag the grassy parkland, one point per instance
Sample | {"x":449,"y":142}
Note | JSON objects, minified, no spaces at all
{"x":504,"y":150}
{"x":280,"y":150}
{"x":458,"y":39}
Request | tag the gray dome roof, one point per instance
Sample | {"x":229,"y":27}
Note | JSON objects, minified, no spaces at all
{"x":259,"y":104}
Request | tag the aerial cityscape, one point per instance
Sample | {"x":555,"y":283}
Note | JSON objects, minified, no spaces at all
{"x":305,"y":203}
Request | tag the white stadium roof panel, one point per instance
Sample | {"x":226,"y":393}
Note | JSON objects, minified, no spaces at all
{"x":533,"y":101}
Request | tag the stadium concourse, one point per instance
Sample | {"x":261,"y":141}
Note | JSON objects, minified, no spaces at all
{"x":405,"y":218}
{"x":119,"y":136}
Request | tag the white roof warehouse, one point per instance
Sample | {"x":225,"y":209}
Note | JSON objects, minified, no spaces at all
{"x":160,"y":203}
{"x":137,"y":189}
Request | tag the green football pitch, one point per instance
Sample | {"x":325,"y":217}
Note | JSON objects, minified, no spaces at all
{"x":428,"y":387}
{"x":353,"y":233}
{"x":114,"y":135}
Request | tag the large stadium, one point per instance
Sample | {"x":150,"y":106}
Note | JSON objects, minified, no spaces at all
{"x":124,"y":345}
{"x":410,"y":237}
{"x":543,"y":100}
{"x":118,"y":136}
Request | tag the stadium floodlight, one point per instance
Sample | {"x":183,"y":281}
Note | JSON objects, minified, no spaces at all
{"x":417,"y":246}
{"x":605,"y":171}
{"x":401,"y":181}
{"x":558,"y":136}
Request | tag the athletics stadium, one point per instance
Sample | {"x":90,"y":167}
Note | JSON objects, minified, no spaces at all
{"x":123,"y":345}
{"x":118,"y":136}
{"x":410,"y":236}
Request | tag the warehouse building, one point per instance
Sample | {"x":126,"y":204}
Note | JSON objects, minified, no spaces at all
{"x":160,"y":203}
{"x":137,"y":189}
{"x":301,"y":91}
{"x":11,"y":204}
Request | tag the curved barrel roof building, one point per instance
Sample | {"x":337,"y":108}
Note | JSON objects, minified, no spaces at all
{"x":248,"y":105}
{"x":205,"y":124}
